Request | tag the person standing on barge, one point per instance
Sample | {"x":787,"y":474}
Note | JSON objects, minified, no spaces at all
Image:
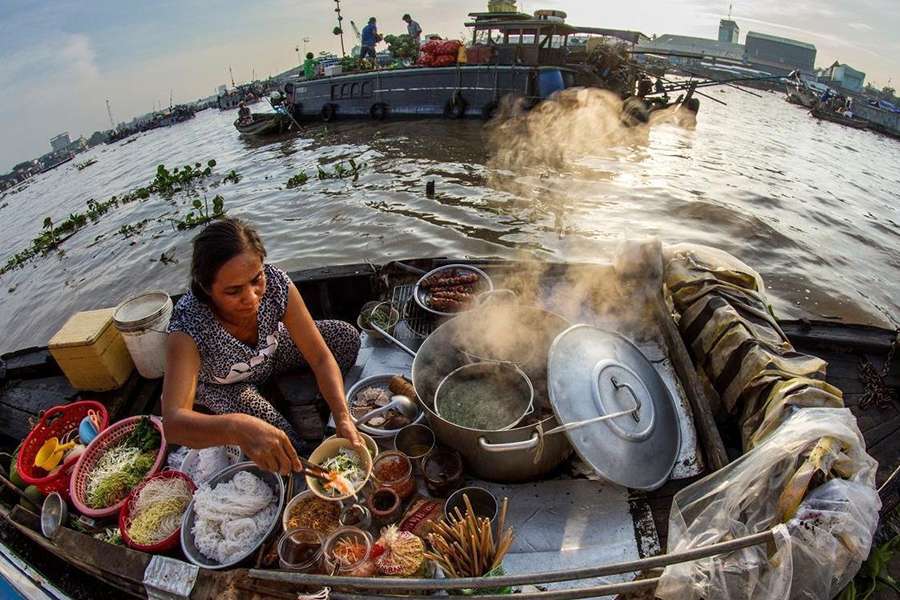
{"x":242,"y":322}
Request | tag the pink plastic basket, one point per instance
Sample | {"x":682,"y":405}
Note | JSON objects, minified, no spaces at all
{"x":111,"y":436}
{"x":124,"y":514}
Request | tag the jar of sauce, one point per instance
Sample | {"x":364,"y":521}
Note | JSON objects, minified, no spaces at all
{"x":385,"y":506}
{"x":300,"y":550}
{"x":394,"y":470}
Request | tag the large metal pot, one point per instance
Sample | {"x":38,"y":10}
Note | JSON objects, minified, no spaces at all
{"x":504,"y":456}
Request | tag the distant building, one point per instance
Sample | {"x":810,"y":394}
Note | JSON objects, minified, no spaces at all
{"x":729,"y":31}
{"x":683,"y":49}
{"x":777,"y":54}
{"x":845,"y":76}
{"x":60,"y":142}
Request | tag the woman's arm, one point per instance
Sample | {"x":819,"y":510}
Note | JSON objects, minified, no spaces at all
{"x":264,"y":444}
{"x":312,"y":346}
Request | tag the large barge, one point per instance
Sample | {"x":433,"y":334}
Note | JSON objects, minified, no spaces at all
{"x":510,"y":55}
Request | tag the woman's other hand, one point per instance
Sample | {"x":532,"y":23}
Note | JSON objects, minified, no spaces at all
{"x":267,"y":446}
{"x":347,"y":430}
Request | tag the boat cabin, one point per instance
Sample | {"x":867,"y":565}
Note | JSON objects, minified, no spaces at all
{"x":541,"y":39}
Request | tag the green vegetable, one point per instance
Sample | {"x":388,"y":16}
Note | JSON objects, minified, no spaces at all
{"x":34,"y":495}
{"x":14,"y":471}
{"x":873,"y":573}
{"x":144,"y":437}
{"x":116,"y":473}
{"x":110,"y":536}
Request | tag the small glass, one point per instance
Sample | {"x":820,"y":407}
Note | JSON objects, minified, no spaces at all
{"x":394,"y":470}
{"x":443,"y":472}
{"x":352,"y":535}
{"x":356,"y":515}
{"x":415,"y":441}
{"x":300,"y":550}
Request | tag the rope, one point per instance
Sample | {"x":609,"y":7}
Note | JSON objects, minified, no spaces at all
{"x":877,"y":391}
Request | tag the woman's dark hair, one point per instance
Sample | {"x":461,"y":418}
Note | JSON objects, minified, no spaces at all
{"x":218,"y":243}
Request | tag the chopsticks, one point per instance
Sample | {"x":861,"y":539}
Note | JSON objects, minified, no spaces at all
{"x":465,"y":546}
{"x":314,"y":470}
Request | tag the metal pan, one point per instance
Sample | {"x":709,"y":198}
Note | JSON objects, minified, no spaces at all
{"x":420,"y":294}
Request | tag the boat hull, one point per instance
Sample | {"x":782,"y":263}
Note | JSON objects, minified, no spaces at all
{"x":835,"y":118}
{"x":455,"y":92}
{"x":264,"y":124}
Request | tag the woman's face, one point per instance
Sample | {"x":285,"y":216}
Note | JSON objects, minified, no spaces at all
{"x":239,"y":286}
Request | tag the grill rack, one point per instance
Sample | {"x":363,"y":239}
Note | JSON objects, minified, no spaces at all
{"x":415,"y":324}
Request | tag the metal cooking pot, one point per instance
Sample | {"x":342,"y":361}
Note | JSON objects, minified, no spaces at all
{"x":503,"y":456}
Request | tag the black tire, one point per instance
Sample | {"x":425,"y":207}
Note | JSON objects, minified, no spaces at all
{"x":329,"y":112}
{"x":378,"y":111}
{"x":488,"y":111}
{"x":693,"y":105}
{"x":455,"y":107}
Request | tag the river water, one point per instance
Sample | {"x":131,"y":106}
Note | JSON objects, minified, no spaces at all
{"x":812,"y":205}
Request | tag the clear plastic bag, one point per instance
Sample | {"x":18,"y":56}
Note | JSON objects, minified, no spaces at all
{"x":817,"y":551}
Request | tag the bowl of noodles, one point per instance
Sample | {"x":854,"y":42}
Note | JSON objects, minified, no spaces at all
{"x":150,"y":519}
{"x":231,"y":515}
{"x":350,"y":469}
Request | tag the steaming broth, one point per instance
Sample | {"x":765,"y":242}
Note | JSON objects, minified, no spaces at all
{"x":486,"y":400}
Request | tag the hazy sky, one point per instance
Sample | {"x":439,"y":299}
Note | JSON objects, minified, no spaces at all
{"x":61,"y":59}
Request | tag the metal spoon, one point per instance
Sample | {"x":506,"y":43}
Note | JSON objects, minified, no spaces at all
{"x":398,"y":403}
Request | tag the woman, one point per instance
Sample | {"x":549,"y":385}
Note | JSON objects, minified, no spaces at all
{"x":241,"y":322}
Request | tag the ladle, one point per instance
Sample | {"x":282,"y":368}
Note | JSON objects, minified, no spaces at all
{"x":398,"y":403}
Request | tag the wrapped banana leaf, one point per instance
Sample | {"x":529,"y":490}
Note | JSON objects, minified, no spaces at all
{"x":812,"y":472}
{"x":783,"y":397}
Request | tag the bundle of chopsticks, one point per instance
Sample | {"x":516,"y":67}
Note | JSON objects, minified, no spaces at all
{"x":465,"y":546}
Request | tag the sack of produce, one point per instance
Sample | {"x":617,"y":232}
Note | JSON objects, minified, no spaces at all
{"x":449,"y":48}
{"x":421,"y":515}
{"x":432,"y":46}
{"x":425,"y":59}
{"x":444,"y":60}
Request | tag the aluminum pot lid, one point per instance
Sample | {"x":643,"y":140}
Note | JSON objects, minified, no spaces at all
{"x":592,"y":372}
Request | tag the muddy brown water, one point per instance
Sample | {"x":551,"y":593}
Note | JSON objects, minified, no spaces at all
{"x":812,"y":205}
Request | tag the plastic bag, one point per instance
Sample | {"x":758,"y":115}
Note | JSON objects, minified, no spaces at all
{"x":825,"y":541}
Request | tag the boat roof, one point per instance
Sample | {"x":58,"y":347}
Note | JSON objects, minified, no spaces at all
{"x":516,"y":21}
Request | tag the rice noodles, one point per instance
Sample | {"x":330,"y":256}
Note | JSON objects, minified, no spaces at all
{"x":232,"y":517}
{"x":157,"y":510}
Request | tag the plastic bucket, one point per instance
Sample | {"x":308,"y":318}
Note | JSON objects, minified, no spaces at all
{"x":142,"y":321}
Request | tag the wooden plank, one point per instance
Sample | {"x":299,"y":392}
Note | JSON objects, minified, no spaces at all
{"x":838,"y":336}
{"x":35,"y":395}
{"x":14,"y":423}
{"x":29,"y":363}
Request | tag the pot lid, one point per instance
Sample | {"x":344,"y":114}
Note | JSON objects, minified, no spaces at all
{"x":594,"y":373}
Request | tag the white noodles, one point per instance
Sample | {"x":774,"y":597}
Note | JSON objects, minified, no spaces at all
{"x":232,"y":517}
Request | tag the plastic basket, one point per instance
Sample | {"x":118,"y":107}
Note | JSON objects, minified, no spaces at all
{"x":113,"y":435}
{"x":169,"y":542}
{"x":56,"y":422}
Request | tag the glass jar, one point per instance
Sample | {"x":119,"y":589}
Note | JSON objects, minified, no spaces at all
{"x":394,"y":470}
{"x":360,"y":565}
{"x":300,"y":550}
{"x":443,"y":471}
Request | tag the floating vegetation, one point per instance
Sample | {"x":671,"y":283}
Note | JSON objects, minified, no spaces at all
{"x":200,"y":213}
{"x":341,"y":171}
{"x":84,"y":165}
{"x":297,"y":180}
{"x":166,"y":183}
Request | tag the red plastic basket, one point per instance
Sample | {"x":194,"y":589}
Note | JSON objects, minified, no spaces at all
{"x":172,"y":540}
{"x":113,"y":435}
{"x":56,"y":422}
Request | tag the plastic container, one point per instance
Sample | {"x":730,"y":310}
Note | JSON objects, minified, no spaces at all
{"x":110,"y":437}
{"x":416,"y":442}
{"x":443,"y":472}
{"x":56,"y":422}
{"x":300,"y":550}
{"x":91,"y":352}
{"x":394,"y":470}
{"x":125,"y":512}
{"x":142,"y":321}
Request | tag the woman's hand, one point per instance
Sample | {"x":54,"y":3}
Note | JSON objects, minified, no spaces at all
{"x":267,"y":446}
{"x":347,"y":430}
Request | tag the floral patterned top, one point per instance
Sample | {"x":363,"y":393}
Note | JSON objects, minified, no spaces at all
{"x":224,"y":358}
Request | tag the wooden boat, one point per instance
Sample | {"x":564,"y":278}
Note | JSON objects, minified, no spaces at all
{"x":33,"y":382}
{"x":829,"y":115}
{"x":264,"y":124}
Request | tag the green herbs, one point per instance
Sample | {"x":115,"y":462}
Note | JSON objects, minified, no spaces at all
{"x":380,"y":315}
{"x":110,"y":535}
{"x":874,"y":573}
{"x":145,"y":436}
